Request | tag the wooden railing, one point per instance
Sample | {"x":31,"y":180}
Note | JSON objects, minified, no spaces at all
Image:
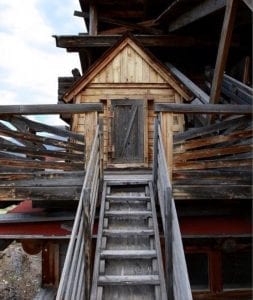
{"x":76,"y":274}
{"x":26,"y":144}
{"x":177,"y":281}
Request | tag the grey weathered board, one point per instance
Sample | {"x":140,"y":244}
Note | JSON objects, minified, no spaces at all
{"x":127,"y":131}
{"x":128,"y":261}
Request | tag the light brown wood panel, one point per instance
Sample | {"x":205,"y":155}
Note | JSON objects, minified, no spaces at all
{"x":159,"y":95}
{"x":123,"y":65}
{"x":130,"y":65}
{"x":116,"y":69}
{"x":138,"y":68}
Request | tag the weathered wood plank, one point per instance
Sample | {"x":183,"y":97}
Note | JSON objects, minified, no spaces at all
{"x":224,"y":45}
{"x":36,"y":217}
{"x":40,"y":127}
{"x":77,"y":42}
{"x":204,"y":109}
{"x":181,"y":283}
{"x":41,"y":182}
{"x":218,"y":191}
{"x":43,"y":140}
{"x":52,"y":193}
{"x":40,"y":109}
{"x":93,"y":19}
{"x":200,"y":165}
{"x":14,"y":176}
{"x":213,"y":140}
{"x":211,"y":152}
{"x":42,"y":153}
{"x":201,"y":10}
{"x":129,"y":280}
{"x":33,"y":164}
{"x":128,"y":254}
{"x":213,"y":174}
{"x":199,"y":132}
{"x":198,"y":92}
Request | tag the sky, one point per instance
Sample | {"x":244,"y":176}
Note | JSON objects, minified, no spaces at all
{"x":30,"y":63}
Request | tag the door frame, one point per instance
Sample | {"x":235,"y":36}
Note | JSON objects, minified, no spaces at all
{"x":144,"y":163}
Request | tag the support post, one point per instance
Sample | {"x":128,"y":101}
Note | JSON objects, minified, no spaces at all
{"x":50,"y":264}
{"x":93,"y":20}
{"x":225,"y":41}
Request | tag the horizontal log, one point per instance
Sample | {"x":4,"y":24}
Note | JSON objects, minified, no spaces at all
{"x":201,"y":131}
{"x":212,"y":174}
{"x":49,"y":193}
{"x":20,"y":136}
{"x":36,"y":217}
{"x":216,"y":181}
{"x":212,"y":152}
{"x":33,"y":164}
{"x":41,"y":127}
{"x":49,"y":109}
{"x":45,"y":175}
{"x":212,"y":164}
{"x":204,"y":109}
{"x":213,"y":140}
{"x":77,"y":42}
{"x":42,"y":153}
{"x":43,"y":182}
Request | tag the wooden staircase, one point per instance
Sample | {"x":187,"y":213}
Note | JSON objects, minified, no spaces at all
{"x":128,"y":261}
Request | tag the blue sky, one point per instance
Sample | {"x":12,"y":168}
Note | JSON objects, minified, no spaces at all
{"x":29,"y":60}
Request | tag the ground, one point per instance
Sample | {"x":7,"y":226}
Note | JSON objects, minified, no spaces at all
{"x":20,"y":274}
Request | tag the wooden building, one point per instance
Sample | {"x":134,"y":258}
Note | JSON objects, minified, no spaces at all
{"x":128,"y":81}
{"x":156,"y":171}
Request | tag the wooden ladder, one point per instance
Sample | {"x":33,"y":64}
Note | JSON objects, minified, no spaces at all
{"x":128,"y":260}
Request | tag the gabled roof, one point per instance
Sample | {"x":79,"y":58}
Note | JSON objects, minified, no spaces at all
{"x":111,"y":54}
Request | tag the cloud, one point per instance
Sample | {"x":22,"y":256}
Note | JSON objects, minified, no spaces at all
{"x":29,"y":60}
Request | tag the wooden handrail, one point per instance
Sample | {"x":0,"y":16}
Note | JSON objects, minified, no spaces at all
{"x":76,"y":274}
{"x":228,"y":109}
{"x":177,"y":281}
{"x":49,"y":109}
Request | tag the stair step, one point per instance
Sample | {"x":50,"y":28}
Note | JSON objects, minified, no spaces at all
{"x":128,"y":213}
{"x":115,"y":254}
{"x":127,"y":198}
{"x":125,"y":233}
{"x":126,"y":182}
{"x":129,"y":280}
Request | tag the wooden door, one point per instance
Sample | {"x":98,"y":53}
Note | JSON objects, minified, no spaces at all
{"x":127,"y":131}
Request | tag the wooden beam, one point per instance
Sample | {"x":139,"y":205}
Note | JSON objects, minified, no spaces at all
{"x":40,"y":127}
{"x":249,"y":3}
{"x":225,"y":41}
{"x":234,"y":89}
{"x":214,"y":128}
{"x":204,"y":109}
{"x":203,"y":9}
{"x":133,"y":26}
{"x":93,"y":19}
{"x":76,"y":43}
{"x":49,"y":109}
{"x":200,"y":94}
{"x":199,"y":191}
